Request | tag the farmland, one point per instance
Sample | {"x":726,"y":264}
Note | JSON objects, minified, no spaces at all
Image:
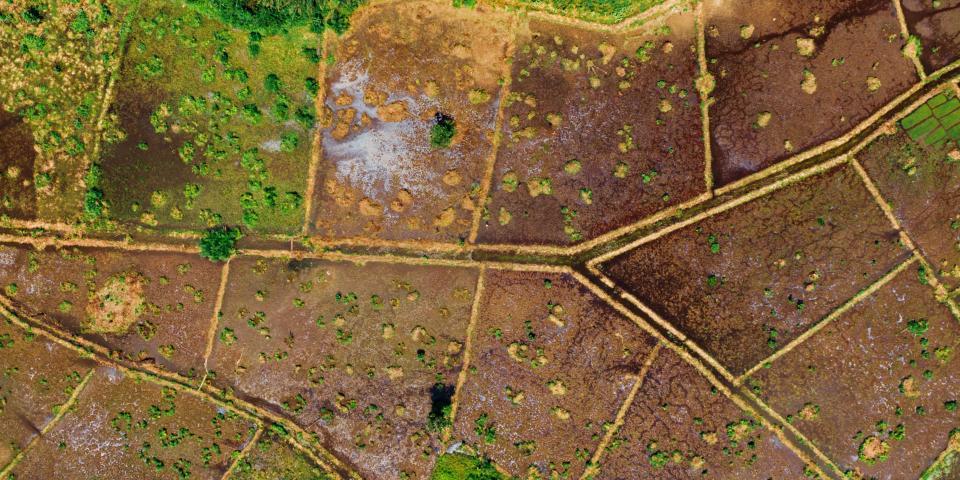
{"x":479,"y":239}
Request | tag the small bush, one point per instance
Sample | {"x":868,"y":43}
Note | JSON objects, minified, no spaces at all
{"x":272,"y":83}
{"x":289,"y":142}
{"x":219,"y":243}
{"x":444,"y":128}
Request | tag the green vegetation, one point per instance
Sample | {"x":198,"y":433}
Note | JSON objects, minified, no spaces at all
{"x":441,"y":398}
{"x":219,"y":243}
{"x":457,"y":466}
{"x":444,"y":128}
{"x":271,"y":17}
{"x":936,"y":121}
{"x":602,"y":11}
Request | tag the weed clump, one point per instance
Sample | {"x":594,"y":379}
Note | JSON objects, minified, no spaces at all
{"x":219,"y":243}
{"x":444,"y":128}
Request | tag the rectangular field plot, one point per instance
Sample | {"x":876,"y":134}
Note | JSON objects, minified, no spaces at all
{"x":217,"y":124}
{"x":747,"y":281}
{"x":876,"y":389}
{"x":18,"y":199}
{"x":402,"y":68}
{"x":38,"y":377}
{"x":146,"y":306}
{"x":550,"y":366}
{"x":130,"y":428}
{"x":599,"y":131}
{"x":365,"y":356}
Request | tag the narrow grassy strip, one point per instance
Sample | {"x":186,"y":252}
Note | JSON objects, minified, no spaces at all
{"x":705,"y":100}
{"x":467,"y":350}
{"x":215,"y":320}
{"x":316,"y":154}
{"x":490,"y":163}
{"x":827,"y":320}
{"x":621,"y":413}
{"x":244,"y":452}
{"x":60,"y":413}
{"x":905,"y":34}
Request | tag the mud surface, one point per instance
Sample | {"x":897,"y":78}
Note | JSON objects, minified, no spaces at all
{"x":599,"y":131}
{"x":681,"y":427}
{"x":813,"y":69}
{"x":866,"y":375}
{"x":550,"y":366}
{"x":401,"y":65}
{"x":937,"y":24}
{"x":744,"y":283}
{"x":352,"y":353}
{"x":167,"y":320}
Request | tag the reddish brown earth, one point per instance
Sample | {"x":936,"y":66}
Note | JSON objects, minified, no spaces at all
{"x":616,"y":133}
{"x":922,"y":184}
{"x":783,"y":262}
{"x":681,"y":427}
{"x":854,"y":42}
{"x":120,"y":426}
{"x":65,"y":287}
{"x":550,"y":366}
{"x":38,"y":375}
{"x":17,"y":198}
{"x":867,"y":366}
{"x":350,"y":352}
{"x":937,"y":23}
{"x":399,"y":66}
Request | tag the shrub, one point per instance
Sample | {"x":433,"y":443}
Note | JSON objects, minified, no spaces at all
{"x":272,"y":83}
{"x":289,"y":142}
{"x":444,"y":128}
{"x":312,"y":85}
{"x":219,"y":243}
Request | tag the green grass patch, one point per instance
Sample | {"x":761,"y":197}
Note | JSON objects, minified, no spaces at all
{"x":457,"y":466}
{"x":600,"y":11}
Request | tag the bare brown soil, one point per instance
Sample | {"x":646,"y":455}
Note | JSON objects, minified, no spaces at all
{"x":151,"y":307}
{"x":350,"y":352}
{"x":938,"y":26}
{"x":122,"y":427}
{"x":681,"y":427}
{"x":782,"y":263}
{"x":816,"y":68}
{"x":38,"y":375}
{"x":116,"y":306}
{"x":399,"y":66}
{"x":17,"y":198}
{"x":550,"y":366}
{"x":866,"y":373}
{"x":599,"y":131}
